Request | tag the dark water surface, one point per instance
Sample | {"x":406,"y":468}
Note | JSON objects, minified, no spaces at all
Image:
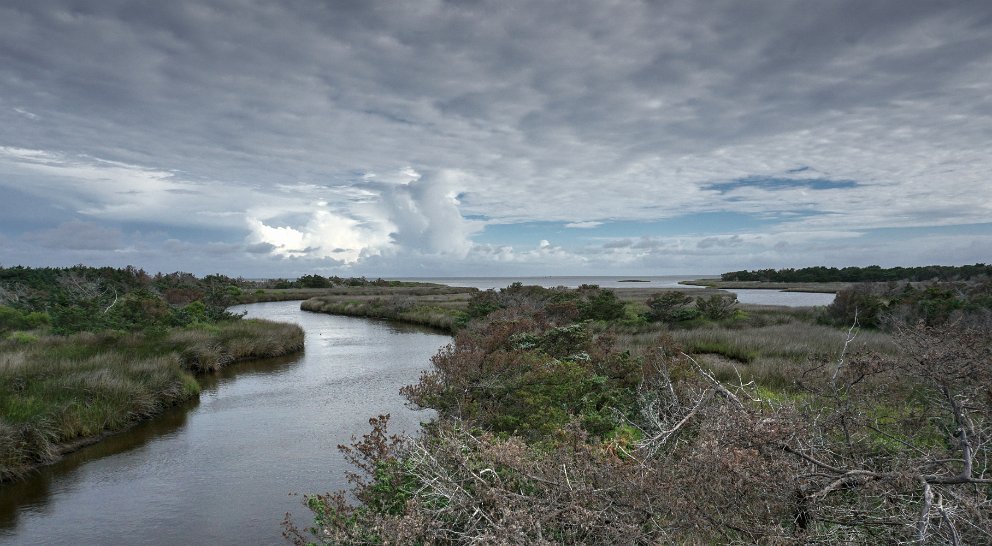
{"x":222,"y":470}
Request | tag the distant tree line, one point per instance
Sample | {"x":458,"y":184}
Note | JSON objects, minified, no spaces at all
{"x":317,"y":281}
{"x":871,"y":273}
{"x":81,"y":298}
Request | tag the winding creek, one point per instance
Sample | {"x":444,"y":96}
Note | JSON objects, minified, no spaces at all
{"x":225,"y":469}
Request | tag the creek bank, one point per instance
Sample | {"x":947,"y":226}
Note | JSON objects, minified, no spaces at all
{"x":443,"y":312}
{"x":222,"y":467}
{"x":812,"y":287}
{"x":59,"y":394}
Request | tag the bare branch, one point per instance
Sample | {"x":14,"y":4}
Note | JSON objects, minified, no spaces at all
{"x":719,"y":386}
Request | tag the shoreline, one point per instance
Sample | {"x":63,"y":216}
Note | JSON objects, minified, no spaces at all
{"x":198,"y":364}
{"x":808,"y":287}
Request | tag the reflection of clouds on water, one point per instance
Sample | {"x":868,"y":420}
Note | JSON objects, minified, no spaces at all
{"x":222,"y":470}
{"x":776,"y":297}
{"x":35,"y":493}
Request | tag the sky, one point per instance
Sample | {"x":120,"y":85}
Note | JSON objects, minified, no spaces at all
{"x":494,"y":138}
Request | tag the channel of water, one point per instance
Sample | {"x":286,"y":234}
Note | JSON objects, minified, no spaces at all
{"x":225,"y":469}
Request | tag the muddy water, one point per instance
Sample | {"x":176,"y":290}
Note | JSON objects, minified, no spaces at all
{"x":223,"y":470}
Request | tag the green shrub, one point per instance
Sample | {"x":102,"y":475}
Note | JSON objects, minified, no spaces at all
{"x":717,"y":306}
{"x":669,"y":307}
{"x":15,"y":319}
{"x":23,"y":338}
{"x":601,"y":304}
{"x":859,"y":303}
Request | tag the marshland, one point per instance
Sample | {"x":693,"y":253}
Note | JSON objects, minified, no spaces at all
{"x":584,"y":414}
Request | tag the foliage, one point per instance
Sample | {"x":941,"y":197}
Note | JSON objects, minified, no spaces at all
{"x":482,"y":303}
{"x":551,"y":429}
{"x":872,"y":273}
{"x":15,"y":319}
{"x":314,"y":281}
{"x":717,"y":306}
{"x":601,"y":304}
{"x":860,"y":303}
{"x":517,"y":376}
{"x":95,"y":349}
{"x":79,"y":298}
{"x":877,"y":305}
{"x":671,"y":307}
{"x":59,"y":389}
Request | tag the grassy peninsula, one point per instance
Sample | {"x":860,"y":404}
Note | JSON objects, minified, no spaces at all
{"x":451,"y":308}
{"x":443,"y":308}
{"x":580,"y":416}
{"x":86,"y":352}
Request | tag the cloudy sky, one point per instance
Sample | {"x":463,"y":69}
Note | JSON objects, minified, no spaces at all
{"x":437,"y":138}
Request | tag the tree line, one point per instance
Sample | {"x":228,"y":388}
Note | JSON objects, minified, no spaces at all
{"x":871,"y":273}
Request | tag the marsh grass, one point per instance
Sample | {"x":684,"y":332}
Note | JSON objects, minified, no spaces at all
{"x":774,"y":356}
{"x":442,"y":311}
{"x":58,"y":391}
{"x":821,"y":287}
{"x":769,"y":345}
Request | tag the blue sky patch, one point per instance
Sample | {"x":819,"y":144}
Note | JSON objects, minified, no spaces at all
{"x":704,"y":223}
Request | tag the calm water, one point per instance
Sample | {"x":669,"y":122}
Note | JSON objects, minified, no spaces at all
{"x":485,"y":283}
{"x":776,"y":297}
{"x":764,"y":297}
{"x":222,"y":470}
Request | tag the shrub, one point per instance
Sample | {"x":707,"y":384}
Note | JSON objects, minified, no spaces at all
{"x":23,"y":338}
{"x":314,"y":281}
{"x":482,"y":303}
{"x":670,"y":307}
{"x":15,"y":319}
{"x":860,"y":301}
{"x":717,"y":306}
{"x":601,"y":304}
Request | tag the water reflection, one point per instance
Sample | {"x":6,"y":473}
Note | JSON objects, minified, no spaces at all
{"x":33,"y":494}
{"x":222,"y":470}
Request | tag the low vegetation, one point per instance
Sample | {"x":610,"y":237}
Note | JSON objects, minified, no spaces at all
{"x":436,"y":307}
{"x":815,"y":287}
{"x":574,"y":416}
{"x":86,"y":352}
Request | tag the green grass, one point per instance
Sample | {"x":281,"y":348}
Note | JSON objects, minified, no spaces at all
{"x":443,"y":311}
{"x":59,"y":390}
{"x":771,"y":345}
{"x":821,"y":287}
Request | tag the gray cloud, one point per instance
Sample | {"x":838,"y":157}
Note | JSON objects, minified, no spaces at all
{"x":235,"y":115}
{"x":724,"y":242}
{"x":77,"y":235}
